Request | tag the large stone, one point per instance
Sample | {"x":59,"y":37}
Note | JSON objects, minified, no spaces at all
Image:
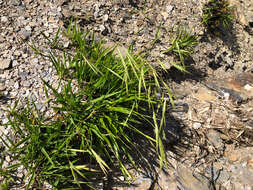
{"x":188,"y":180}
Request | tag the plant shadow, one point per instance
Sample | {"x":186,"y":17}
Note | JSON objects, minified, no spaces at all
{"x":226,"y":34}
{"x":229,"y":39}
{"x":193,"y":73}
{"x":146,"y":158}
{"x":4,"y":99}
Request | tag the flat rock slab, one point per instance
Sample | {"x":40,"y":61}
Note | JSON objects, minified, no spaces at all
{"x":188,"y":180}
{"x":237,"y":88}
{"x":242,"y":84}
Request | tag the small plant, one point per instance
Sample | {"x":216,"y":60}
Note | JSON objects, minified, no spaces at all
{"x":182,"y":44}
{"x":217,"y":13}
{"x":94,"y":126}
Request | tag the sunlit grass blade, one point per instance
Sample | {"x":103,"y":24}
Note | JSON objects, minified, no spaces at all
{"x":100,"y":161}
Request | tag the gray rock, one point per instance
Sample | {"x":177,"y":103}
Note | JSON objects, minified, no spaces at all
{"x":196,"y":125}
{"x":106,"y":17}
{"x":166,"y":182}
{"x":229,"y":62}
{"x":5,"y":64}
{"x":218,"y":174}
{"x":2,"y":87}
{"x":223,"y":177}
{"x":96,"y":6}
{"x":28,"y":28}
{"x":17,"y":53}
{"x":23,"y":75}
{"x":15,"y":63}
{"x":26,"y":84}
{"x":101,"y":27}
{"x":2,"y":39}
{"x":39,"y":106}
{"x":33,"y":98}
{"x":214,"y":137}
{"x":66,"y":44}
{"x":4,"y":19}
{"x":16,"y":85}
{"x":35,"y":61}
{"x":7,"y":74}
{"x":26,"y":34}
{"x":15,"y":2}
{"x":24,"y":55}
{"x":169,"y":8}
{"x":4,"y":121}
{"x":8,"y":159}
{"x":13,"y":94}
{"x":191,"y":181}
{"x":142,"y":183}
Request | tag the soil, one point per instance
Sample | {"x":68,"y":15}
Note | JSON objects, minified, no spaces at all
{"x":210,"y":127}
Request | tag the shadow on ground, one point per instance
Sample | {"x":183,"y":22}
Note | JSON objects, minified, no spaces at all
{"x":146,"y":159}
{"x":175,"y":75}
{"x":3,"y":99}
{"x":228,"y":38}
{"x":226,"y":34}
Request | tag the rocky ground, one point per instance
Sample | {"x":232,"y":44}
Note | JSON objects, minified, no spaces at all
{"x":210,"y":142}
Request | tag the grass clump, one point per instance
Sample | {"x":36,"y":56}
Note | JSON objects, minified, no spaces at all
{"x":217,"y":13}
{"x":182,"y":45}
{"x":103,"y":105}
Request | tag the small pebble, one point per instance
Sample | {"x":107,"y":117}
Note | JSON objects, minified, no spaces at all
{"x":169,"y":8}
{"x":16,"y":85}
{"x":105,"y":17}
{"x":2,"y":87}
{"x":28,"y":28}
{"x":35,"y":61}
{"x":4,"y":19}
{"x":5,"y":64}
{"x":101,"y":27}
{"x":26,"y":34}
{"x":196,"y":125}
{"x":4,"y":121}
{"x":39,"y":106}
{"x":26,"y":84}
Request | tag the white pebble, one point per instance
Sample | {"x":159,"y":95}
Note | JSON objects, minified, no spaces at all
{"x":196,"y":125}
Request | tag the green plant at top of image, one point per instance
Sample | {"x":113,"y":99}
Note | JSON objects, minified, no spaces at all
{"x":182,"y":44}
{"x":217,"y":13}
{"x":103,"y":104}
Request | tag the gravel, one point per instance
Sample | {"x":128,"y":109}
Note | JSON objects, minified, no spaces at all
{"x":124,"y":22}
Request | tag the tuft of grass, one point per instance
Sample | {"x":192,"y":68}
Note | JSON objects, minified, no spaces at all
{"x":104,"y":103}
{"x":217,"y":13}
{"x":182,"y":45}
